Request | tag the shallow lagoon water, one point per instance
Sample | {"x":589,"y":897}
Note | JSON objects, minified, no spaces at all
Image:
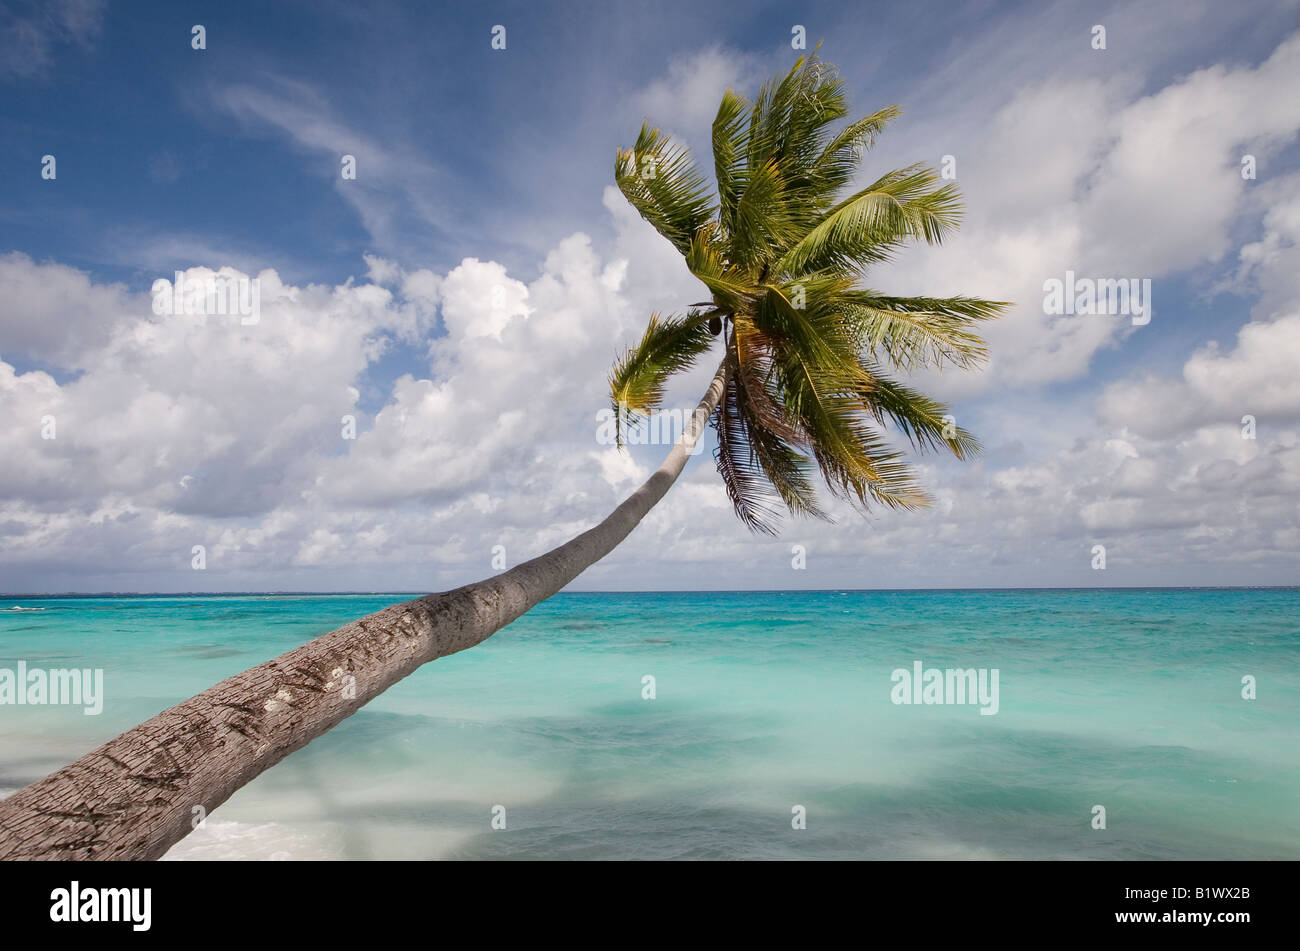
{"x":764,"y":701}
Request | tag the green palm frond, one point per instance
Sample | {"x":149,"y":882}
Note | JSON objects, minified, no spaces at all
{"x":728,"y":155}
{"x":761,"y":223}
{"x":925,"y":422}
{"x":810,"y":356}
{"x":855,"y":461}
{"x":661,"y":182}
{"x":669,"y":345}
{"x":868,"y":226}
{"x":787,"y":471}
{"x":731,"y":289}
{"x":839,"y":160}
{"x":913,"y":332}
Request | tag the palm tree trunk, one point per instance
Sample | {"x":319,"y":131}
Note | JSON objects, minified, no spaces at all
{"x":135,"y":797}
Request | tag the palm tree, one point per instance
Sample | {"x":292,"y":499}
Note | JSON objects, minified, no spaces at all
{"x":806,"y":350}
{"x":802,"y":382}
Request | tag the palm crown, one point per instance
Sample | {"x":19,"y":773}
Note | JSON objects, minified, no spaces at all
{"x":781,"y":252}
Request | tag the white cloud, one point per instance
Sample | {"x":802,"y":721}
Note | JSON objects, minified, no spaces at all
{"x":389,"y":181}
{"x":1083,"y":174}
{"x":55,"y":314}
{"x":181,"y":431}
{"x":1256,"y":378}
{"x":200,"y":430}
{"x":686,"y":99}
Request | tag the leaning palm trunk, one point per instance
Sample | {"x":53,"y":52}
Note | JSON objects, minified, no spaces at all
{"x":135,"y":797}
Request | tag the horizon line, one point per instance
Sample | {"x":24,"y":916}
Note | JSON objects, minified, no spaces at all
{"x":417,"y":594}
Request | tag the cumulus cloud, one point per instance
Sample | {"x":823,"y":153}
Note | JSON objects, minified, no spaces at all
{"x":1255,"y":376}
{"x":177,"y":431}
{"x":1089,"y":175}
{"x":183,"y":430}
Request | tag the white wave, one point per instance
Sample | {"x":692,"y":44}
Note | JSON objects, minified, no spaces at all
{"x":257,"y":841}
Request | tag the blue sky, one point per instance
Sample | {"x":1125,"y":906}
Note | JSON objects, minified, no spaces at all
{"x":464,"y":296}
{"x":159,"y":141}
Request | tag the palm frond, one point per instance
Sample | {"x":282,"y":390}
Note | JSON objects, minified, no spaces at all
{"x":706,"y":259}
{"x":925,"y":422}
{"x":662,"y":183}
{"x":839,"y":160}
{"x":913,"y":332}
{"x":808,"y":352}
{"x":761,"y":224}
{"x":868,"y":226}
{"x":728,"y":155}
{"x":743,"y":478}
{"x":669,"y":345}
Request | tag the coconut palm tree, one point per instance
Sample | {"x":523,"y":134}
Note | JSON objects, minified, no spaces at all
{"x":803,"y":385}
{"x":807,"y":351}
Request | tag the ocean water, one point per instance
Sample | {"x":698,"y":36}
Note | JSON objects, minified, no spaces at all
{"x":764,"y":702}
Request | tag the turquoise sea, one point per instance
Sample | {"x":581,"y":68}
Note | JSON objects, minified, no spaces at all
{"x":764,"y":702}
